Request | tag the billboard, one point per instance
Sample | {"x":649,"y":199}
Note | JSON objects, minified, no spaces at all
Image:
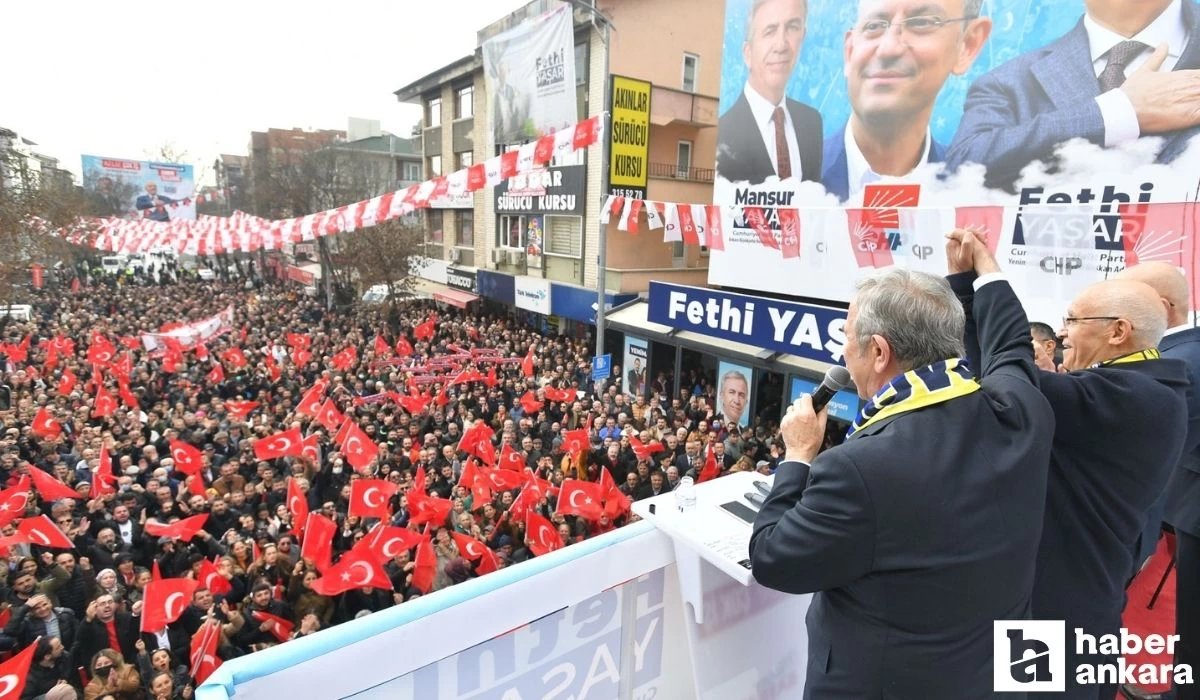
{"x":635,"y":365}
{"x":734,"y":384}
{"x":530,"y":74}
{"x":1004,"y":103}
{"x":629,"y":162}
{"x":155,"y":191}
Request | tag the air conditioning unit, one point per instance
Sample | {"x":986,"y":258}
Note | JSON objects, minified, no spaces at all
{"x":455,"y":255}
{"x":497,"y":256}
{"x":516,"y":257}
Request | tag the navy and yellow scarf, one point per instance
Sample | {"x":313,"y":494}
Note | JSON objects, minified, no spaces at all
{"x":1139,"y":356}
{"x":918,"y":388}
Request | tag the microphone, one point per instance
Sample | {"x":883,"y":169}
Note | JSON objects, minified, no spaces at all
{"x":836,"y":379}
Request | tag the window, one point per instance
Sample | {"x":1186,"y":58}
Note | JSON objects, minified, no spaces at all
{"x":683,"y":159}
{"x":581,"y":66}
{"x":691,"y":71}
{"x":678,"y":254}
{"x":435,"y":166}
{"x":412,"y":171}
{"x":564,"y":235}
{"x":463,"y":107}
{"x":511,"y":233}
{"x":466,"y":228}
{"x":434,"y":116}
{"x":463,"y":160}
{"x":435,"y":225}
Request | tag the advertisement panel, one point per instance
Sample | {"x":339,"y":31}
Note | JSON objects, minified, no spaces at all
{"x":1004,"y":103}
{"x":462,"y":278}
{"x":629,"y":164}
{"x":843,"y":406}
{"x":155,"y":191}
{"x":548,"y":191}
{"x":530,"y":74}
{"x":734,"y":384}
{"x":635,"y":364}
{"x":533,"y":294}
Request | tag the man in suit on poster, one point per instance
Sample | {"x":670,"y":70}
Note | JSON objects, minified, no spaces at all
{"x":897,"y":58}
{"x":1128,"y":69}
{"x":154,"y":202}
{"x":764,"y":133}
{"x":908,"y":585}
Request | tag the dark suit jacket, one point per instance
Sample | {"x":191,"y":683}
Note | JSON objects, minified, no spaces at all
{"x":145,"y":202}
{"x":1023,"y":109}
{"x":93,"y":636}
{"x":25,"y":628}
{"x":918,"y":532}
{"x":742,"y":155}
{"x":1183,"y":486}
{"x":836,"y":176}
{"x":1119,"y":432}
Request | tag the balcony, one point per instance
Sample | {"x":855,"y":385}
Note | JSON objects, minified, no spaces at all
{"x":669,"y":106}
{"x":670,"y":171}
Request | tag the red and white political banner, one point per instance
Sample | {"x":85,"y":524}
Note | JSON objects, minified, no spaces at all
{"x":192,"y":334}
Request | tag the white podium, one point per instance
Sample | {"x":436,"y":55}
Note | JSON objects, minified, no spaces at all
{"x":746,"y":640}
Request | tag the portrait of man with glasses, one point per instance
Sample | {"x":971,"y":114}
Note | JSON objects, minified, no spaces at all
{"x":898,"y":56}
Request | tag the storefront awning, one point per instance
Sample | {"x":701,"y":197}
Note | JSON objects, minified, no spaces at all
{"x":455,"y":297}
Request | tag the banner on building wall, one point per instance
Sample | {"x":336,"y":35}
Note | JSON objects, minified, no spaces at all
{"x":533,"y":294}
{"x":1002,"y":110}
{"x":154,"y":191}
{"x":635,"y":366}
{"x":629,"y":164}
{"x":530,"y":74}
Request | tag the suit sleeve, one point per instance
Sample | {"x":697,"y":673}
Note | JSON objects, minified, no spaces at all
{"x":963,"y":286}
{"x":991,"y":134}
{"x":816,"y":530}
{"x":1002,"y":328}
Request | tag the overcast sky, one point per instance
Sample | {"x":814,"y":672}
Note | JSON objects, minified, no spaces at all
{"x":120,"y":78}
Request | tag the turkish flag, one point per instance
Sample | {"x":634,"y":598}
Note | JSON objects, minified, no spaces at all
{"x":42,"y":531}
{"x":530,"y":404}
{"x":428,"y":509}
{"x":14,"y":501}
{"x":527,"y":363}
{"x":66,"y":383}
{"x":14,"y":672}
{"x":310,"y":403}
{"x":301,"y":356}
{"x":575,"y":441}
{"x":104,"y":405}
{"x":103,"y":481}
{"x":387,"y":542}
{"x":299,"y":340}
{"x":554,"y":394}
{"x":487,"y":563}
{"x":281,"y":628}
{"x":235,"y":357}
{"x":329,"y":415}
{"x":201,"y":352}
{"x":381,"y":346}
{"x":501,"y":479}
{"x":413,"y":404}
{"x":216,"y":375}
{"x":44,"y":426}
{"x":312,"y":448}
{"x":479,"y":432}
{"x":540,"y":534}
{"x":188,"y":459}
{"x":317,"y":547}
{"x":467,"y":478}
{"x":126,"y":395}
{"x":184,"y":529}
{"x":369,"y":498}
{"x":101,"y":351}
{"x":240,"y":409}
{"x":48,"y":487}
{"x":289,"y":443}
{"x":403,"y":347}
{"x":490,"y":380}
{"x":643,"y":451}
{"x":204,"y":650}
{"x":426,"y":569}
{"x":297,"y":505}
{"x":359,"y":449}
{"x":345,"y":359}
{"x":511,"y":459}
{"x":123,"y":367}
{"x":469,"y":548}
{"x":580,"y":498}
{"x":710,"y":470}
{"x":353,"y":570}
{"x":165,"y":601}
{"x":211,"y":579}
{"x":425,"y":331}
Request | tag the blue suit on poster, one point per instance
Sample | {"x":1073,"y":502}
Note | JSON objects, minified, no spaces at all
{"x":836,"y":177}
{"x":1022,"y":110}
{"x":145,"y":201}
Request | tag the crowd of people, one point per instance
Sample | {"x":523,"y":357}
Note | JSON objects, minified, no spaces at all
{"x":160,"y":469}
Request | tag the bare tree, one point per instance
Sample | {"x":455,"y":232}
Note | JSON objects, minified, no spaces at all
{"x":388,"y":254}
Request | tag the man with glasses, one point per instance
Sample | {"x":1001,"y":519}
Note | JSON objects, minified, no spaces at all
{"x":1128,"y":69}
{"x":764,"y":133}
{"x":897,"y":58}
{"x":1120,"y":414}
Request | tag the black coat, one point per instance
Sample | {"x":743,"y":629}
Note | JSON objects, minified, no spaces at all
{"x":93,"y":636}
{"x":25,"y":629}
{"x":1183,"y":487}
{"x":919,"y":531}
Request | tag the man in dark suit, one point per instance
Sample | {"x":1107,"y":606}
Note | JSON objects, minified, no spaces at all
{"x":893,"y":79}
{"x":764,"y":133}
{"x":920,"y":530}
{"x":1121,"y":73}
{"x":156,"y":204}
{"x":1120,"y":416}
{"x":1179,"y":506}
{"x":102,"y":624}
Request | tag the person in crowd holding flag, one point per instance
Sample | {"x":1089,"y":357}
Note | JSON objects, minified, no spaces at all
{"x":903,"y":584}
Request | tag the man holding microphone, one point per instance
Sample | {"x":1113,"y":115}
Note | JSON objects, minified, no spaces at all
{"x":921,"y":530}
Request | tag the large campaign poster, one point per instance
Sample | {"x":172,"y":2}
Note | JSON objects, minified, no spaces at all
{"x":138,"y":188}
{"x":875,"y":126}
{"x":733,"y":392}
{"x":530,"y":74}
{"x":635,"y":365}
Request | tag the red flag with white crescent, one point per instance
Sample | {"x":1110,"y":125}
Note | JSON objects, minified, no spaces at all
{"x":540,"y":534}
{"x":14,"y":672}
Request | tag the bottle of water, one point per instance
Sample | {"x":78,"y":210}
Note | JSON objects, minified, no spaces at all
{"x":685,"y":495}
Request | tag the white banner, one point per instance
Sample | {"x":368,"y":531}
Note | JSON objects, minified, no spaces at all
{"x":191,"y":334}
{"x":530,"y":72}
{"x":533,"y":294}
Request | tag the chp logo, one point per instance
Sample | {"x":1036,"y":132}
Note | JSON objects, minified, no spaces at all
{"x":1029,"y":656}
